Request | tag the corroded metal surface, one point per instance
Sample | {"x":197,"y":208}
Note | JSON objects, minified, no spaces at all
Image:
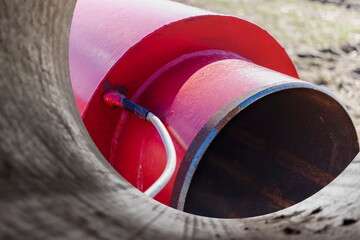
{"x":55,"y":184}
{"x":276,"y":152}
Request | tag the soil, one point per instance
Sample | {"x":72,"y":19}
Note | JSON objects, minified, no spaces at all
{"x":341,"y":3}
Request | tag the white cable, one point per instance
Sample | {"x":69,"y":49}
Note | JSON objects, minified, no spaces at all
{"x":165,"y":177}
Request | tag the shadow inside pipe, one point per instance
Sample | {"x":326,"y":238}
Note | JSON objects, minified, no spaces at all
{"x":278,"y":151}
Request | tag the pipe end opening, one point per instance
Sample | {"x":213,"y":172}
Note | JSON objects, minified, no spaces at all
{"x":276,"y":152}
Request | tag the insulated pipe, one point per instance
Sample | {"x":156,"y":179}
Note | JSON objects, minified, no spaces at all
{"x":249,"y":135}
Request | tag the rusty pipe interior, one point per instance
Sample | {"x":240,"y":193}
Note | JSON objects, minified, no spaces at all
{"x":274,"y":153}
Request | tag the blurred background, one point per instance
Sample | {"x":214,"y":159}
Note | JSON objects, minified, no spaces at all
{"x":322,"y":38}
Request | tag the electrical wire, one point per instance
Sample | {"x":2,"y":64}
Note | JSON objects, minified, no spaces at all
{"x":116,"y":99}
{"x":169,"y":170}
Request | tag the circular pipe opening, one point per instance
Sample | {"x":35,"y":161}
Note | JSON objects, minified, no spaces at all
{"x":276,"y":152}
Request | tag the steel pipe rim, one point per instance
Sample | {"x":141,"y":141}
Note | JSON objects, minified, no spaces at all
{"x":214,"y":126}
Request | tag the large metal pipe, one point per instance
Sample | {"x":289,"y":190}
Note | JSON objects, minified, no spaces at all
{"x":251,"y":138}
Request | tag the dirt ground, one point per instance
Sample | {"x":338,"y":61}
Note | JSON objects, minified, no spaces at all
{"x":322,"y":37}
